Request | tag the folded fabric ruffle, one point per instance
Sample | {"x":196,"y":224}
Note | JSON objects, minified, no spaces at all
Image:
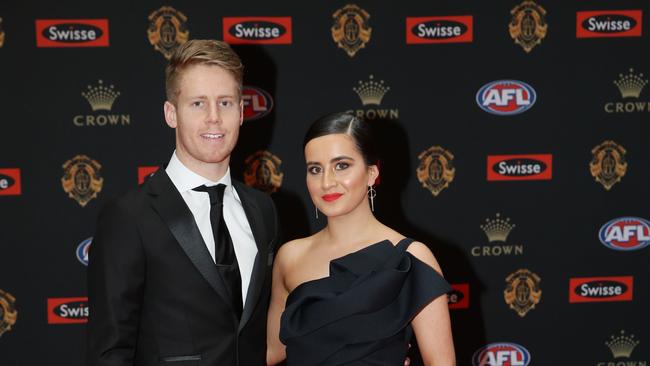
{"x":362,"y":310}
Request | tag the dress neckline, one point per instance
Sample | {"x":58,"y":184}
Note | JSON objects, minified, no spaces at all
{"x":385,"y":241}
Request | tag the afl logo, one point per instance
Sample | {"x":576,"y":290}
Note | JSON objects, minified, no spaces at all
{"x":257,"y":103}
{"x":501,"y":354}
{"x":625,"y":234}
{"x":506,"y":97}
{"x":82,"y":251}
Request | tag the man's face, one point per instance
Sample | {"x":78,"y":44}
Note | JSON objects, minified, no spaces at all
{"x":207,"y":115}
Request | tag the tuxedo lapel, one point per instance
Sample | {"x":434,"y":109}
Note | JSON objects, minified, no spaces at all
{"x":261,"y":236}
{"x":169,"y":204}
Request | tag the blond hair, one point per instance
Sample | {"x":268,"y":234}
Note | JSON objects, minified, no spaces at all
{"x":201,"y":52}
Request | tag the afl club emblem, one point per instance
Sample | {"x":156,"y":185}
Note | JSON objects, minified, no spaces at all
{"x":522,"y":291}
{"x":263,"y":172}
{"x":167,"y":30}
{"x":608,"y":163}
{"x":436,"y":170}
{"x":81,"y":179}
{"x":8,"y":313}
{"x":2,"y":34}
{"x":528,"y":25}
{"x":351,"y":30}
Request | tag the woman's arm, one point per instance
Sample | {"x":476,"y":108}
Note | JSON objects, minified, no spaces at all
{"x":432,"y":325}
{"x":275,"y":350}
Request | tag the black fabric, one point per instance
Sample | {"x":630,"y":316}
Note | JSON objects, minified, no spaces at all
{"x":224,"y":249}
{"x":156,"y":292}
{"x":360,"y":314}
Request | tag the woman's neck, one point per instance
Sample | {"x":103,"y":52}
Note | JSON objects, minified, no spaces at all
{"x":354,"y":228}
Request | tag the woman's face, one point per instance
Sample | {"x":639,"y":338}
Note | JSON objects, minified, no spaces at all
{"x":337,"y":175}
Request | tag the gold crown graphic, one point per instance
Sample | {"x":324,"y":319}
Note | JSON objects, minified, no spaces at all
{"x":630,"y":85}
{"x":371,"y":92}
{"x":497,"y":229}
{"x":100,"y":97}
{"x":622,"y":345}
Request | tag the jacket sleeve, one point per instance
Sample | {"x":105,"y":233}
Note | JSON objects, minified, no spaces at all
{"x":274,"y":227}
{"x":116,"y":273}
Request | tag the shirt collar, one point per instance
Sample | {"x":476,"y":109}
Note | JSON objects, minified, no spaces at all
{"x":184,"y":179}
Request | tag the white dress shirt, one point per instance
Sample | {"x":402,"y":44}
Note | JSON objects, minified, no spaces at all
{"x":233,"y":213}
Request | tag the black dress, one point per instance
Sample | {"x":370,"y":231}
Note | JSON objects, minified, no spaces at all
{"x":361,"y":313}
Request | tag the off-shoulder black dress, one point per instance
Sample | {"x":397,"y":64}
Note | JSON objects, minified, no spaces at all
{"x":361,"y":313}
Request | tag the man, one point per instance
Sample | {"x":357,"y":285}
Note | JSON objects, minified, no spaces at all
{"x":164,"y":284}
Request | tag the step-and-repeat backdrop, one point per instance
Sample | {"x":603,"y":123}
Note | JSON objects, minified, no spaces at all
{"x":514,"y":135}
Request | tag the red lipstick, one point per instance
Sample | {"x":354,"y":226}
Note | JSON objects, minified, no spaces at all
{"x":332,"y":196}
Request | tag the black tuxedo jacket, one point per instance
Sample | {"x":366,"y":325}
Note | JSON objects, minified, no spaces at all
{"x":154,"y":292}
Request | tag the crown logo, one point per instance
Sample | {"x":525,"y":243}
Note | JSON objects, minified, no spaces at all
{"x":100,"y":97}
{"x":371,"y":92}
{"x":497,"y":229}
{"x":621,"y":345}
{"x":630,"y":85}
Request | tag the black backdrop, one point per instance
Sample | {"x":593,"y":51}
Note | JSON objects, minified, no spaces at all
{"x":429,"y":100}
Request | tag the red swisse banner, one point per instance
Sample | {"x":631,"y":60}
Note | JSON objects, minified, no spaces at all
{"x":608,"y":23}
{"x":520,"y":167}
{"x":146,"y":171}
{"x":10,"y":182}
{"x":72,"y":32}
{"x":263,"y":30}
{"x":439,"y":29}
{"x":68,"y":310}
{"x":459,"y":296}
{"x":601,"y":289}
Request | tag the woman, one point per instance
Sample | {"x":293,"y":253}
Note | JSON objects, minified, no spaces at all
{"x":356,"y":290}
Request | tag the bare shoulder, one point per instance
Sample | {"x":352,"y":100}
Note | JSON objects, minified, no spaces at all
{"x":291,"y":251}
{"x":423,"y":253}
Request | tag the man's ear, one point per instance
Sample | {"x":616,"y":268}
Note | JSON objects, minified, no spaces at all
{"x":170,"y":114}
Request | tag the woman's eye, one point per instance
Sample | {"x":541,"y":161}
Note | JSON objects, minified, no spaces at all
{"x":313,"y":169}
{"x":342,"y":165}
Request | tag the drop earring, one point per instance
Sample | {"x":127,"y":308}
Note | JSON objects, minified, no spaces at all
{"x":316,"y":209}
{"x":372,"y":193}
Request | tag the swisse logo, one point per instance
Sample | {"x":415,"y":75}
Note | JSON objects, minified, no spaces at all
{"x":458,"y":298}
{"x":601,"y":289}
{"x":501,"y":354}
{"x":625,"y":233}
{"x":519,"y":167}
{"x":257,"y":103}
{"x":72,"y":32}
{"x":69,"y":310}
{"x":264,"y":30}
{"x":450,"y":29}
{"x":10,"y":182}
{"x":506,"y":97}
{"x":608,"y":23}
